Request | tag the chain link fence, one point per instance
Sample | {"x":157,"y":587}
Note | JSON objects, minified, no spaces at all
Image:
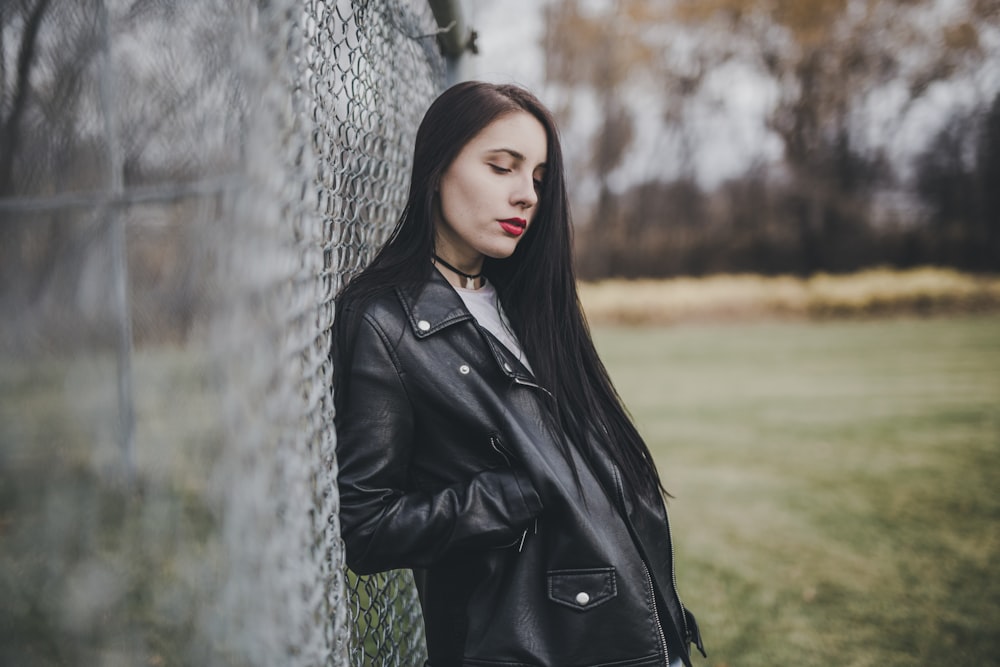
{"x":184,"y":187}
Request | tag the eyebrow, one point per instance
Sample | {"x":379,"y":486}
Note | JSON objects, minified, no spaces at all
{"x":513,"y":153}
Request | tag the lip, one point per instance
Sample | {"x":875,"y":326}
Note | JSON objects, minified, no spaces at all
{"x":514,"y":226}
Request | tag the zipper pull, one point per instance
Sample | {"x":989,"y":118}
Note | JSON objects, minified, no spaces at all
{"x":524,"y":535}
{"x":498,"y":448}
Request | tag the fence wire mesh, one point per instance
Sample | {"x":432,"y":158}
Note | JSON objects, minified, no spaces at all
{"x":183,"y":189}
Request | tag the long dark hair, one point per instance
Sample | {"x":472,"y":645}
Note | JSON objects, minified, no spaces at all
{"x":536,"y":284}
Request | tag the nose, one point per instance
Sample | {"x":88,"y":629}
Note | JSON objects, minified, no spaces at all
{"x":524,"y":195}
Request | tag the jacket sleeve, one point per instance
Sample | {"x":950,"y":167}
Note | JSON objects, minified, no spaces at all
{"x":384,"y":525}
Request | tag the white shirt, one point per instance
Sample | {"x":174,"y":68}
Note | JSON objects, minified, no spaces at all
{"x":484,"y":305}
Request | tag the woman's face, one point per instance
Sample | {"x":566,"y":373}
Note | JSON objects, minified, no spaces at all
{"x":489,"y":194}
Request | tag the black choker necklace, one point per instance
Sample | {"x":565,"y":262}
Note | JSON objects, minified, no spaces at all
{"x":469,"y":279}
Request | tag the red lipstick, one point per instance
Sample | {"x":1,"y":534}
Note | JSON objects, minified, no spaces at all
{"x":514,"y":226}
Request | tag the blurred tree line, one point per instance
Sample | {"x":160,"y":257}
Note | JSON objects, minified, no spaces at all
{"x":852,"y":185}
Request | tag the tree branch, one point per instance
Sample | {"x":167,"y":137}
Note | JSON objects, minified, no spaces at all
{"x":9,"y":134}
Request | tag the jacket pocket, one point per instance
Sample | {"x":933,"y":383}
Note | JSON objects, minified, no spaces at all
{"x":528,"y":493}
{"x":582,"y":590}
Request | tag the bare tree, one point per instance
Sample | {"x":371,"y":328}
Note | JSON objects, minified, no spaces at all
{"x":830,"y":63}
{"x":29,"y":16}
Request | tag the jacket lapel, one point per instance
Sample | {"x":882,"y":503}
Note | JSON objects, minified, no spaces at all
{"x":435,"y":306}
{"x":432,"y":305}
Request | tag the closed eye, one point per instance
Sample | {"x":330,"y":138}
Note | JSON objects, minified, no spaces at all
{"x":498,"y":169}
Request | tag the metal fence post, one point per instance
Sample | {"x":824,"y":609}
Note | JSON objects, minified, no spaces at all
{"x":455,"y":37}
{"x":119,"y":257}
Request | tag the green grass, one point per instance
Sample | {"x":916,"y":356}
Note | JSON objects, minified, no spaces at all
{"x":836,"y":495}
{"x":836,"y":484}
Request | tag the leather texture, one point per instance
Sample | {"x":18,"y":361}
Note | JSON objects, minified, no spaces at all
{"x":449,"y":466}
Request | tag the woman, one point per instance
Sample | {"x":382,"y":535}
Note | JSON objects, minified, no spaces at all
{"x":480,"y":441}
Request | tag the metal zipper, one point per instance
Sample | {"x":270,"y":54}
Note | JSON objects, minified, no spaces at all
{"x":528,"y":383}
{"x":504,"y":366}
{"x":498,"y":448}
{"x":673,"y":576}
{"x":649,"y":577}
{"x":656,"y":614}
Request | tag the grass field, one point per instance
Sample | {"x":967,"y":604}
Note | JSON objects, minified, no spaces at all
{"x":836,"y":484}
{"x":836,"y":490}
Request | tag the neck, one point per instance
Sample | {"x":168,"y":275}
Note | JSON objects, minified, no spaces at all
{"x":459,"y":277}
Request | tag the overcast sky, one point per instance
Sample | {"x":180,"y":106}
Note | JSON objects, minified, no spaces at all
{"x":510,"y":35}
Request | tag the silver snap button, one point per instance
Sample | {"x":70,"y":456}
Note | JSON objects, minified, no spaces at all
{"x":424,"y":325}
{"x":582,"y":598}
{"x":463,"y":369}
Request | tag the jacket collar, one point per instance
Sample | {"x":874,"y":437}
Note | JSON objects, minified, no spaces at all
{"x":432,"y":305}
{"x":435,"y":305}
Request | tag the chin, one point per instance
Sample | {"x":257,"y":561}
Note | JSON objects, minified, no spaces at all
{"x":500,"y":253}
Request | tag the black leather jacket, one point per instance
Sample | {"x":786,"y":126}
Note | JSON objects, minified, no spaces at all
{"x":448,"y":466}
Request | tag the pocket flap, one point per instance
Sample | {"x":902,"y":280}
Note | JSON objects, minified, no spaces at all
{"x":582,"y":590}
